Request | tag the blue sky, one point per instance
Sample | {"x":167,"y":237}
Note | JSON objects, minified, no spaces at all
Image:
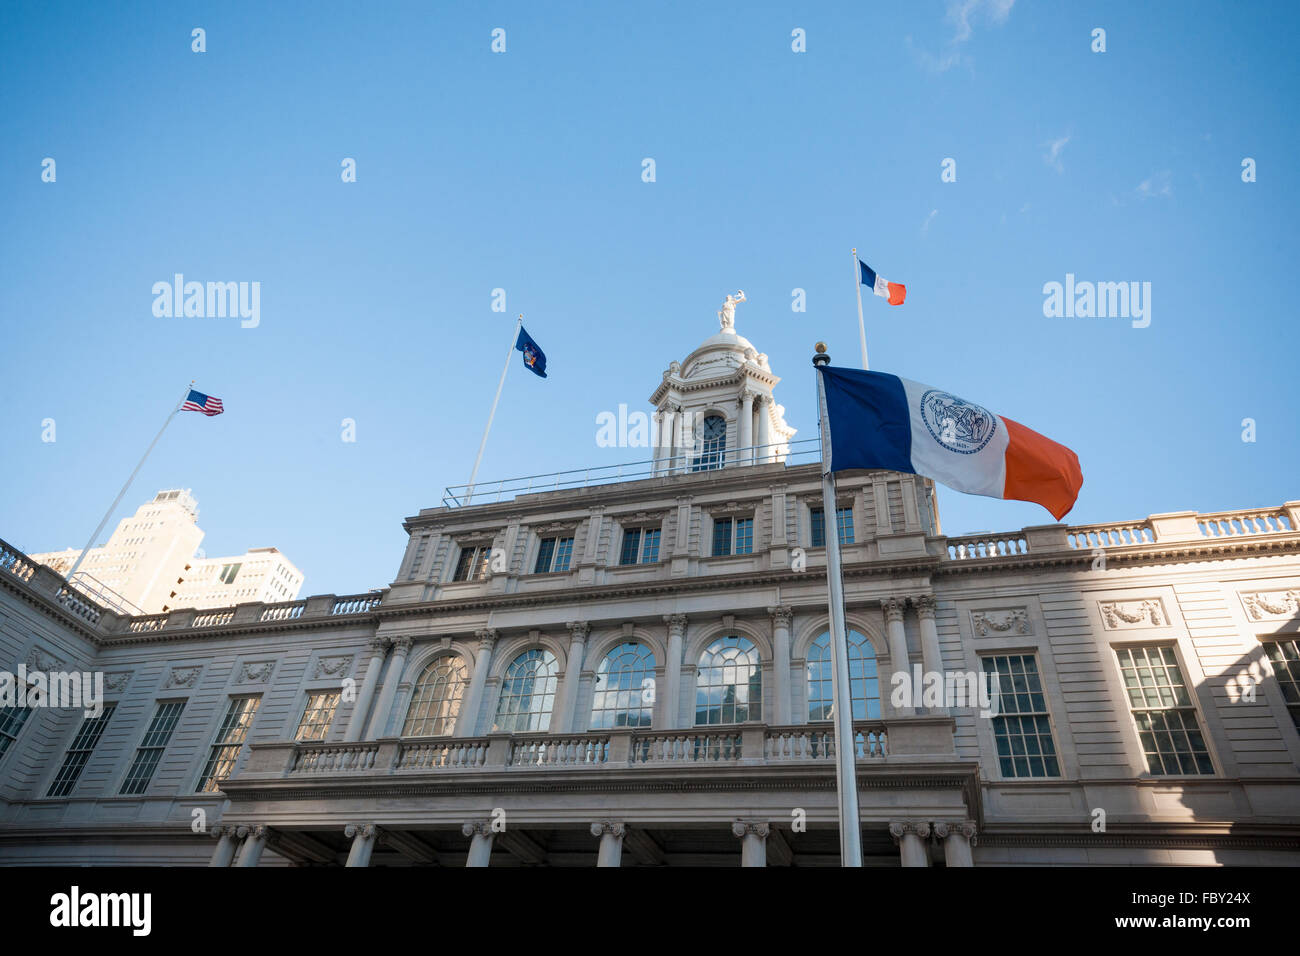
{"x":522,"y":171}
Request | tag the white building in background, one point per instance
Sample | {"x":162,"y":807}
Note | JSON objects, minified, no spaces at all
{"x":149,"y":563}
{"x":637,"y":673}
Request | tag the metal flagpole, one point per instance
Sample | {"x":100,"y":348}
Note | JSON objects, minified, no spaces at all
{"x":846,"y":770}
{"x":862,"y":328}
{"x":469,"y":494}
{"x":121,"y":494}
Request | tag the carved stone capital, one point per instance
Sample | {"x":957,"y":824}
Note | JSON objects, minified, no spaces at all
{"x":257,"y":831}
{"x":366,"y":830}
{"x":486,"y":637}
{"x":676,"y":624}
{"x":941,"y":830}
{"x":617,"y":827}
{"x":403,"y":645}
{"x":900,"y":828}
{"x":378,"y":645}
{"x":969,"y":831}
{"x":759,"y":828}
{"x":480,"y":827}
{"x":893,"y":608}
{"x":579,"y":629}
{"x":782,"y":615}
{"x":219,"y":831}
{"x":925,"y":606}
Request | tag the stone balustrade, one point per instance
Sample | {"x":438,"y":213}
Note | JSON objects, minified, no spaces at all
{"x":747,"y":744}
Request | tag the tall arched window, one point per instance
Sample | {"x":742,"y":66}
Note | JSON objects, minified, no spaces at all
{"x":625,"y":685}
{"x":712,"y":443}
{"x":528,"y":692}
{"x":729,"y":683}
{"x":435,"y":705}
{"x":864,"y":685}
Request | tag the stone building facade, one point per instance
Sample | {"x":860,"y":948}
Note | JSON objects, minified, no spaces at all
{"x":636,"y":673}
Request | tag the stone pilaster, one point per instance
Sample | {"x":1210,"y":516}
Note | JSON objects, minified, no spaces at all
{"x":361,"y":709}
{"x":673,"y":670}
{"x":467,"y":722}
{"x":898,"y":659}
{"x":782,"y":617}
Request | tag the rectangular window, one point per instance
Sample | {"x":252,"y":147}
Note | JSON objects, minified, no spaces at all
{"x":228,"y":573}
{"x":733,"y":536}
{"x":1163,"y":711}
{"x":844,"y":521}
{"x":640,"y":546}
{"x":631,"y":546}
{"x":83,"y":745}
{"x":1022,"y":728}
{"x":229,"y":742}
{"x":11,"y":724}
{"x":151,"y":748}
{"x":650,"y":546}
{"x":721,"y":536}
{"x":317,"y":716}
{"x":553,"y":554}
{"x":1284,"y":655}
{"x":473,"y":563}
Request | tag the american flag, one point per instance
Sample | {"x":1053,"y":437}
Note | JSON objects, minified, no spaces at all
{"x":198,"y":402}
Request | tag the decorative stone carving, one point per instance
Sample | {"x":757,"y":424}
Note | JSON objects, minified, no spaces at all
{"x":486,"y":638}
{"x":579,"y":630}
{"x":334,"y":666}
{"x":893,"y":608}
{"x":367,"y":830}
{"x":899,"y":828}
{"x":926,"y":606}
{"x":616,"y":827}
{"x":403,"y":645}
{"x":1121,"y":615}
{"x":782,"y":616}
{"x":481,"y":827}
{"x":182,"y":677}
{"x":1000,"y":621}
{"x":116,"y":683}
{"x":40,"y":660}
{"x":943,"y":830}
{"x":1272,"y":604}
{"x":255,"y":672}
{"x":676,"y":624}
{"x":741,"y":827}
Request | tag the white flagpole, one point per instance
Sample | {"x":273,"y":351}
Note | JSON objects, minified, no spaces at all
{"x":469,"y":494}
{"x":862,"y":328}
{"x":121,"y":494}
{"x":846,"y":768}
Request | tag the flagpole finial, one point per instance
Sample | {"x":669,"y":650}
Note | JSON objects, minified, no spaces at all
{"x":854,"y":250}
{"x":821,"y":358}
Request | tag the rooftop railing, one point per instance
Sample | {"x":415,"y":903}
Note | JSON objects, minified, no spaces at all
{"x":490,"y":492}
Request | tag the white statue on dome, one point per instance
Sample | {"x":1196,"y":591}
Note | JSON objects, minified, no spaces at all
{"x":727,"y":315}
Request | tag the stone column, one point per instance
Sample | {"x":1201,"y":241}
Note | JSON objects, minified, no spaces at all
{"x":379,"y":723}
{"x":363,"y":843}
{"x":673,"y":670}
{"x":611,"y":842}
{"x":480,"y":844}
{"x":925,"y":608}
{"x":745,"y":453}
{"x":911,"y":838}
{"x":467,"y":722}
{"x":898,"y":660}
{"x":361,"y":709}
{"x":753,"y":847}
{"x":227,"y":842}
{"x":657,"y":445}
{"x":957,"y":839}
{"x":676,"y":430}
{"x":567,"y":720}
{"x":254,"y":843}
{"x":781,"y":618}
{"x":765,"y":429}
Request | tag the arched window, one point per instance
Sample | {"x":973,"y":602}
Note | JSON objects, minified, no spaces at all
{"x":864,"y":685}
{"x":625,"y":688}
{"x":528,"y":692}
{"x":435,"y":705}
{"x":729,"y":683}
{"x":712,"y":443}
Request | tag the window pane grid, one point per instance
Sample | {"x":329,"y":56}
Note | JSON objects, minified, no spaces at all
{"x":1285,"y":657}
{"x":1022,"y":729}
{"x":745,"y":536}
{"x":624,"y":692}
{"x":151,"y":747}
{"x":721,"y":537}
{"x":317,"y":716}
{"x":1166,"y":721}
{"x":228,"y":744}
{"x":729,"y":683}
{"x":864,"y":683}
{"x":545,"y":551}
{"x":528,"y":693}
{"x":83,"y":745}
{"x":650,"y":549}
{"x":11,"y":723}
{"x":435,"y":705}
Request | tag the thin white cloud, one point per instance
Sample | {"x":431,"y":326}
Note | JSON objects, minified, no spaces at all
{"x":961,"y":16}
{"x":1053,"y":155}
{"x":925,"y":226}
{"x":1156,"y":186}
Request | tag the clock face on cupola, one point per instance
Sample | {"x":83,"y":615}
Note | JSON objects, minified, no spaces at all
{"x":716,"y":409}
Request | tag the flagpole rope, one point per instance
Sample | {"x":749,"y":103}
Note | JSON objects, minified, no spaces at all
{"x":473,"y":475}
